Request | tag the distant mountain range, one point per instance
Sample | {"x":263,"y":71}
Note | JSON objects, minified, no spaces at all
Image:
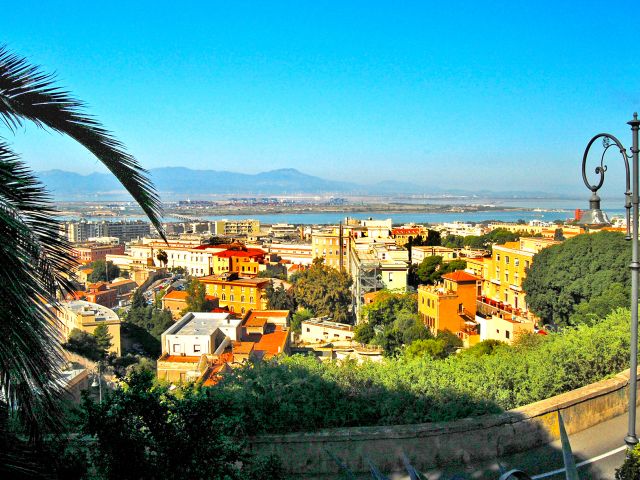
{"x":180,"y":182}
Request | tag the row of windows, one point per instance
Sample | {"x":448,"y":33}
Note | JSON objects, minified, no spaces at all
{"x":232,"y":298}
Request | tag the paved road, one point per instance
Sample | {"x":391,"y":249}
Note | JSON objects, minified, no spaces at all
{"x":588,"y":446}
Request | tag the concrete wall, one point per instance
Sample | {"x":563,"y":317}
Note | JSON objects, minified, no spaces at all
{"x":429,"y":445}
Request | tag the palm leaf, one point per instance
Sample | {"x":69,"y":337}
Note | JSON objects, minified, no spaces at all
{"x":26,"y":93}
{"x":32,"y":271}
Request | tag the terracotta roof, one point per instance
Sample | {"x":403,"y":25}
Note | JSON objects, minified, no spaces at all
{"x":249,"y":252}
{"x":460,"y":276}
{"x":176,"y":295}
{"x":179,"y":359}
{"x":273,"y":343}
{"x":240,"y":348}
{"x":255,"y":321}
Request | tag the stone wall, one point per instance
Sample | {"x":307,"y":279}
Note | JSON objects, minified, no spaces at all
{"x":429,"y":445}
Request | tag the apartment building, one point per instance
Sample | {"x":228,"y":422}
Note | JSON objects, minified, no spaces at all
{"x":403,"y":234}
{"x":450,"y":305}
{"x":240,"y":259}
{"x":236,"y":228}
{"x":124,"y":231}
{"x":323,"y":330}
{"x":86,"y":316}
{"x":203,"y":346}
{"x":509,"y":263}
{"x":238,"y":294}
{"x":90,"y":252}
{"x":196,"y":259}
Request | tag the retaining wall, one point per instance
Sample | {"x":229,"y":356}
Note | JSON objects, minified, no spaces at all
{"x":429,"y":445}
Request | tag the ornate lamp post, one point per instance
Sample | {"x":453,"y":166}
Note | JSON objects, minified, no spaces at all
{"x":596,"y":218}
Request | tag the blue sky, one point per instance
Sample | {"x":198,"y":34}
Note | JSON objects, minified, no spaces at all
{"x":495,"y":95}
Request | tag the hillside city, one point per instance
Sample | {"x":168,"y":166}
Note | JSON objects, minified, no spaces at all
{"x":319,"y":241}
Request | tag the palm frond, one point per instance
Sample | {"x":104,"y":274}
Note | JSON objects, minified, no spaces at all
{"x":33,"y":261}
{"x":26,"y":93}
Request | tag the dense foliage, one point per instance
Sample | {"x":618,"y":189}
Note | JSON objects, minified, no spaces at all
{"x":391,"y":321}
{"x":591,"y":269}
{"x":324,"y":290}
{"x":630,"y":469}
{"x":497,"y":236}
{"x":144,"y":431}
{"x":278,"y":298}
{"x":85,"y":344}
{"x":276,"y":270}
{"x":144,"y":325}
{"x":300,"y":393}
{"x":103,"y":271}
{"x":431,"y":269}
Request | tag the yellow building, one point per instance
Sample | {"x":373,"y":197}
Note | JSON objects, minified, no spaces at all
{"x":239,"y":294}
{"x":508,"y":270}
{"x":240,"y":259}
{"x":326,"y":244}
{"x":86,"y":316}
{"x":450,"y":305}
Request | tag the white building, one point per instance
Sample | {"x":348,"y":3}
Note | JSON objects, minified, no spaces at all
{"x":503,"y":327}
{"x":201,"y":333}
{"x":322,"y":330}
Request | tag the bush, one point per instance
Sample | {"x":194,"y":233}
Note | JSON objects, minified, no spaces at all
{"x":630,"y":469}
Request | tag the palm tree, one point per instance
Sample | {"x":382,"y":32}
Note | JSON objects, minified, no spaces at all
{"x":36,"y":260}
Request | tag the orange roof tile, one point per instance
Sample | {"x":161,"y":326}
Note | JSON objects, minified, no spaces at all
{"x":240,"y":348}
{"x":273,"y":343}
{"x":179,"y":359}
{"x":176,"y":295}
{"x":460,"y":276}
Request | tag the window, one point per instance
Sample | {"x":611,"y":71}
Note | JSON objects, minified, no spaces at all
{"x":250,"y":299}
{"x":506,"y":259}
{"x":498,"y":257}
{"x":526,"y":264}
{"x":242,"y":298}
{"x":242,"y":310}
{"x":231,"y":308}
{"x":308,"y":330}
{"x":516,"y":262}
{"x":231,"y":297}
{"x":196,"y":348}
{"x":507,"y":334}
{"x":176,"y":347}
{"x":506,"y":277}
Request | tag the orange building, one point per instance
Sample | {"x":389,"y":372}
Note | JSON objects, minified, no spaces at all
{"x":237,"y":293}
{"x":99,"y":293}
{"x":450,"y":305}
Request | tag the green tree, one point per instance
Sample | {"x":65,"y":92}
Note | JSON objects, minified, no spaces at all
{"x":84,"y":344}
{"x":276,"y":270}
{"x":103,"y":338}
{"x":324,"y":290}
{"x":578,"y":270}
{"x":146,"y":431}
{"x":100,"y":270}
{"x":429,"y":347}
{"x":36,"y":260}
{"x":615,"y":296}
{"x":428,"y":269}
{"x":278,"y":298}
{"x":197,"y":298}
{"x":298,"y":317}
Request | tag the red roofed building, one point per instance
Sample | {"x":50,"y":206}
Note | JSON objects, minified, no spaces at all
{"x":450,"y":305}
{"x":240,"y":259}
{"x":99,"y":293}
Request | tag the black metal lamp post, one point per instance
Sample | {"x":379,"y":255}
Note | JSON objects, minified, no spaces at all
{"x":596,"y":218}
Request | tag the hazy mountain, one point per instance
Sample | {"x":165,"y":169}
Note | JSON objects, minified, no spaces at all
{"x":180,"y":182}
{"x":174,"y":182}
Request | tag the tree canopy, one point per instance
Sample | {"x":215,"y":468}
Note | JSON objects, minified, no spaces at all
{"x":100,"y":270}
{"x":431,"y":269}
{"x":590,"y":269}
{"x":324,"y":290}
{"x":197,"y":298}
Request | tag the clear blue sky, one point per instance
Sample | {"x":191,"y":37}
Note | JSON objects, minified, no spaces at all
{"x":500,"y":95}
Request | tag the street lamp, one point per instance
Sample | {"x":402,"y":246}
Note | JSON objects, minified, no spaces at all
{"x":595,"y":218}
{"x":97,"y":382}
